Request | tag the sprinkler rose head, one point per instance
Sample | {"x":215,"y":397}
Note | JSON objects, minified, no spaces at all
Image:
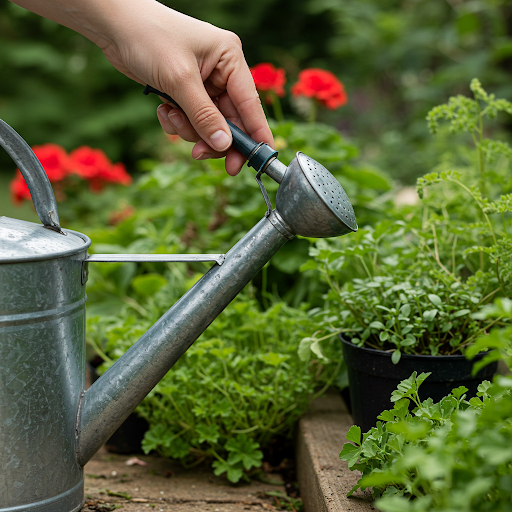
{"x":310,"y":199}
{"x":312,"y":202}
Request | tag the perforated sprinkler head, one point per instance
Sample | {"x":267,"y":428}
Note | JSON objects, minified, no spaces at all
{"x":312,"y":202}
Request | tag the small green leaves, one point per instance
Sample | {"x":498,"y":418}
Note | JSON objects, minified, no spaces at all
{"x":242,"y":449}
{"x":435,"y":299}
{"x":447,"y":455}
{"x":354,"y":434}
{"x":234,"y":471}
{"x":148,"y":284}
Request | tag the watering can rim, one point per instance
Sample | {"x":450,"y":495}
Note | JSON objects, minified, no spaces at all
{"x":35,"y":242}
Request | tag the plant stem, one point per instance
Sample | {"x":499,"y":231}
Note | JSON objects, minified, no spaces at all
{"x":276,"y":104}
{"x":312,"y":111}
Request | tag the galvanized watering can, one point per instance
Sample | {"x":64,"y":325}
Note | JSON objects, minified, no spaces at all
{"x":50,"y":426}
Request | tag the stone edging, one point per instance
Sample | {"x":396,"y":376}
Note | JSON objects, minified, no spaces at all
{"x":324,"y":479}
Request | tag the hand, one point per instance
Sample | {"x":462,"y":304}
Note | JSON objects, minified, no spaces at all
{"x":201,"y":66}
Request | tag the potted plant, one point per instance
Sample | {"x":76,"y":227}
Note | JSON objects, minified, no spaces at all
{"x":453,"y":454}
{"x":405,"y":294}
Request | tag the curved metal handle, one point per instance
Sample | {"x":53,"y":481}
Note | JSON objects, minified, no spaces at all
{"x":33,"y":172}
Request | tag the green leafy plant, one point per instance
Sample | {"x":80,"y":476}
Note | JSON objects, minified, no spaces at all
{"x":451,"y":455}
{"x":240,"y":385}
{"x":412,"y":284}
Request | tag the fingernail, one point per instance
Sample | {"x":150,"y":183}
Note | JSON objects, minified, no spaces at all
{"x":220,"y":140}
{"x":204,"y":156}
{"x":175,"y":118}
{"x":162,"y":113}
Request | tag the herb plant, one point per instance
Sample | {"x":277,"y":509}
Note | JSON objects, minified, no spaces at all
{"x":412,"y":284}
{"x":452,"y":455}
{"x":240,"y":385}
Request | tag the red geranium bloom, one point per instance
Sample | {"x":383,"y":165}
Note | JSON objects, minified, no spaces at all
{"x":269,"y":78}
{"x":95,"y":166}
{"x":322,"y":85}
{"x":89,"y":163}
{"x":115,"y":174}
{"x":19,"y":189}
{"x":54,"y":160}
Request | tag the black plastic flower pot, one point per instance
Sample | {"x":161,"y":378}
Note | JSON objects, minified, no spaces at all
{"x":373,"y":377}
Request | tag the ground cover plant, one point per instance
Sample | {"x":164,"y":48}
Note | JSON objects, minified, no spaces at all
{"x":410,"y":285}
{"x":451,"y":455}
{"x":240,"y":385}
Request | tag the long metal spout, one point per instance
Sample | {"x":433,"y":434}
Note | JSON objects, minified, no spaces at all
{"x":109,"y":401}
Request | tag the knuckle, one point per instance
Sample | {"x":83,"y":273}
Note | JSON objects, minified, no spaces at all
{"x":232,"y":39}
{"x":205,"y":115}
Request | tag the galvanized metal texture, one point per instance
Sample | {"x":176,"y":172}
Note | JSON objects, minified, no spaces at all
{"x":312,"y":202}
{"x":109,"y":401}
{"x":33,"y":172}
{"x":42,"y":362}
{"x":26,"y":241}
{"x":155,"y":258}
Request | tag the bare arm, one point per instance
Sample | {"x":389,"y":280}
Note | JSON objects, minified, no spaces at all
{"x":201,"y":66}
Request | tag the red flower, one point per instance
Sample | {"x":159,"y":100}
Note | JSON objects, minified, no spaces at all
{"x":95,"y":166}
{"x":269,"y":78}
{"x":54,"y":160}
{"x":322,"y":85}
{"x":19,"y":189}
{"x":89,"y":163}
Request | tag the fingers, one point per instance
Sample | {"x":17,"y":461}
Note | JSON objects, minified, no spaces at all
{"x":174,"y":122}
{"x":246,"y":102}
{"x":202,"y":113}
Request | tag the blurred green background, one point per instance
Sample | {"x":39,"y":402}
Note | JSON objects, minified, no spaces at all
{"x":397,"y":58}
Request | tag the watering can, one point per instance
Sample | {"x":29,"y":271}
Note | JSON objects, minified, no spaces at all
{"x":50,"y":426}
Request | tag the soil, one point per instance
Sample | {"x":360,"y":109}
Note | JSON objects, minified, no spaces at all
{"x":164,"y":485}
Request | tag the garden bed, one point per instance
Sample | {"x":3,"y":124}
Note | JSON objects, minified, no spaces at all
{"x":325,"y":480}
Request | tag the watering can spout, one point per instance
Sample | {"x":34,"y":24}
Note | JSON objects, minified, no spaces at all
{"x":109,"y":401}
{"x":49,"y":426}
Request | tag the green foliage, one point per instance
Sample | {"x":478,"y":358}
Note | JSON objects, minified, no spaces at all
{"x":238,"y":386}
{"x":396,"y":58}
{"x":182,"y":205}
{"x":452,"y":455}
{"x":415,"y":283}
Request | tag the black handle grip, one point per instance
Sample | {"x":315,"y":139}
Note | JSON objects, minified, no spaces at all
{"x":258,"y":154}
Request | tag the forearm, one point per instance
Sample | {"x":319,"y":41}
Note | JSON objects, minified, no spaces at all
{"x":97,"y":20}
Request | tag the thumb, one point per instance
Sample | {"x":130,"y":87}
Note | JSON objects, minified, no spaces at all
{"x":204,"y":116}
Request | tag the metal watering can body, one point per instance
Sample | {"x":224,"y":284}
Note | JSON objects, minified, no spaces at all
{"x":49,"y":425}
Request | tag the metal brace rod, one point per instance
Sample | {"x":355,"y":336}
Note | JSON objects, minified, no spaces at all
{"x":218,"y":258}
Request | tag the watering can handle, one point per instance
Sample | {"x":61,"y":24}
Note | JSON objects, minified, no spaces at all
{"x":34,"y":174}
{"x":257,"y":154}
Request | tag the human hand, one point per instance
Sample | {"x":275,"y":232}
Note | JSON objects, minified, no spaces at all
{"x":201,"y":66}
